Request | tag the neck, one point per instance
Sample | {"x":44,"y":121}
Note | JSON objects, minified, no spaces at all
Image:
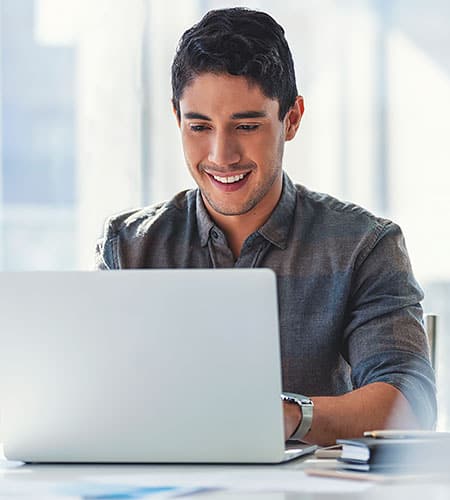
{"x":237,"y":228}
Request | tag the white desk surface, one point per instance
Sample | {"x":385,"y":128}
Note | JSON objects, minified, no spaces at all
{"x":265,"y":482}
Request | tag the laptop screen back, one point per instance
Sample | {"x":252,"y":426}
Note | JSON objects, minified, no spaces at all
{"x":140,"y":366}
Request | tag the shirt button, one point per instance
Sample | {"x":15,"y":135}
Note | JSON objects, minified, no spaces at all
{"x":215,"y":234}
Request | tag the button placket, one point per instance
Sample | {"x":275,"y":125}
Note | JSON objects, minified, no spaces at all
{"x":220,"y":253}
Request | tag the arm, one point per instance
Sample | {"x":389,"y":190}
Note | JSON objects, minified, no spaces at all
{"x":385,"y":346}
{"x":375,"y":406}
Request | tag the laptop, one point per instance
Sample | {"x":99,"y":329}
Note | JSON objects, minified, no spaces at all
{"x":133,"y":366}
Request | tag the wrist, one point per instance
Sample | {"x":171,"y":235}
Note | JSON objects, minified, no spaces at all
{"x":294,"y":417}
{"x":301,"y":409}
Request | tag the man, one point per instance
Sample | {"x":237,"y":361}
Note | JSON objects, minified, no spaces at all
{"x":350,"y":319}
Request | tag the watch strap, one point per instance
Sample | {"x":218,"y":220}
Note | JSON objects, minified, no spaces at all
{"x":307,"y":408}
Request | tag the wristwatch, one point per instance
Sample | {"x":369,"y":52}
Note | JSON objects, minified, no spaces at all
{"x":306,"y":407}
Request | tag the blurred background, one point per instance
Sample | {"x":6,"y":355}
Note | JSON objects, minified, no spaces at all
{"x":86,"y":128}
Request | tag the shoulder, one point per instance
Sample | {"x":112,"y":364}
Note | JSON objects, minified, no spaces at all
{"x":124,"y":233}
{"x":343,"y":223}
{"x":137,"y":222}
{"x":326,"y":209}
{"x":334,"y":208}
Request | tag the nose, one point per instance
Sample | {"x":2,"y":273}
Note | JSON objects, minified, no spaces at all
{"x":224,"y":150}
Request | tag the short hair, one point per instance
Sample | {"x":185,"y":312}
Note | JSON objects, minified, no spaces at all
{"x":241,"y":42}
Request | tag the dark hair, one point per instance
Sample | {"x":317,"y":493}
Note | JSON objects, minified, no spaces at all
{"x":241,"y":42}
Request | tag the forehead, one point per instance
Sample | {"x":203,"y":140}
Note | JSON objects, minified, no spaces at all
{"x":224,"y":94}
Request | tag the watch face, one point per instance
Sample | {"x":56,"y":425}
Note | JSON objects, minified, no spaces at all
{"x":296,"y":398}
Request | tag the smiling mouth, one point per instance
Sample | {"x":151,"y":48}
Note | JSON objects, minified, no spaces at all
{"x":228,"y":179}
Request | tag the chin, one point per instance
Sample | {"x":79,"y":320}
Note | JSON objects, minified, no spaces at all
{"x":231,"y":210}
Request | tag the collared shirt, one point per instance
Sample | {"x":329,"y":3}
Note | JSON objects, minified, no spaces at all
{"x":349,"y":306}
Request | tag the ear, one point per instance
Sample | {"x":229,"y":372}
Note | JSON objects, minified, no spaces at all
{"x":293,"y":118}
{"x":175,"y":113}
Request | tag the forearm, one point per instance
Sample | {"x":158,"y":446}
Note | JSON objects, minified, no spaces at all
{"x":375,"y":406}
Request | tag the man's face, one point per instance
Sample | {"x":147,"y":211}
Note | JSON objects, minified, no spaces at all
{"x":233,"y":143}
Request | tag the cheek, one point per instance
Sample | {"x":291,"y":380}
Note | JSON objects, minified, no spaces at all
{"x":265,"y":148}
{"x":191,"y":150}
{"x":195,"y":148}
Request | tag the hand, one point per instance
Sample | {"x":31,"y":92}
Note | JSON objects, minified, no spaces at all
{"x":292,"y":418}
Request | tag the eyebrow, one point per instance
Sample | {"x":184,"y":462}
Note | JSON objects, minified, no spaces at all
{"x":235,"y":116}
{"x":248,"y":114}
{"x":196,"y":116}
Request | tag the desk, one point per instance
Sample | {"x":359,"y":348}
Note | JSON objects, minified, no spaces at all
{"x":35,"y":479}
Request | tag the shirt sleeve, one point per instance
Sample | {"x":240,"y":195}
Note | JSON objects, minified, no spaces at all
{"x":385,"y":340}
{"x":106,"y":248}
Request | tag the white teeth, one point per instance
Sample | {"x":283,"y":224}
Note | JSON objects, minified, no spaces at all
{"x":229,"y":180}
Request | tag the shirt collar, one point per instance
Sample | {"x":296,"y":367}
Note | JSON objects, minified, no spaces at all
{"x":275,"y":229}
{"x":204,"y":221}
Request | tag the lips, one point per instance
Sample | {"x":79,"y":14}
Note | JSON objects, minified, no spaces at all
{"x":229,"y":183}
{"x":229,"y":180}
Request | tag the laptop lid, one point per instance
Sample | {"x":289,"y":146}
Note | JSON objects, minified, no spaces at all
{"x":141,"y":366}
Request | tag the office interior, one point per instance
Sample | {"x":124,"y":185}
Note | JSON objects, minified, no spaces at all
{"x":86,"y":127}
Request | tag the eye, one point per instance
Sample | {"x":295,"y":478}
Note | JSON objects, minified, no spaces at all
{"x":198,"y":128}
{"x":248,"y":128}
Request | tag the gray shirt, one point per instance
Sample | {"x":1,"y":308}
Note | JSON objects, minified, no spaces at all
{"x":349,"y":305}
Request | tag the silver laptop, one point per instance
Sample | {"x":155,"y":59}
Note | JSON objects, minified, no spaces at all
{"x":141,"y":366}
